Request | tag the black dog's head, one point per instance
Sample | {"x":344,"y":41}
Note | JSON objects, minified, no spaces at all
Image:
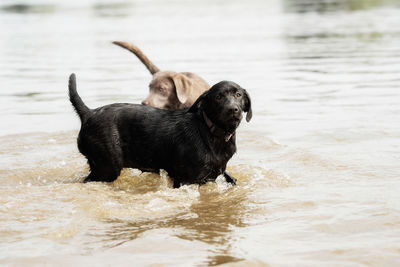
{"x":224,"y":104}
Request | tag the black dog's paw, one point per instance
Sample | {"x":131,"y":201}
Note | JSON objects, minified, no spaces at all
{"x":232,"y":181}
{"x":229,"y":178}
{"x":177,"y":184}
{"x":91,"y":178}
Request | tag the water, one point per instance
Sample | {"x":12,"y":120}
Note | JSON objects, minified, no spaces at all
{"x":317,"y":167}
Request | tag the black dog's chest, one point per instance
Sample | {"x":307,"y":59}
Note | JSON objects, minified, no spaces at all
{"x":204,"y":164}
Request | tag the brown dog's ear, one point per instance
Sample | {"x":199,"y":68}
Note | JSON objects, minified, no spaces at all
{"x":182,"y":87}
{"x":247,"y":106}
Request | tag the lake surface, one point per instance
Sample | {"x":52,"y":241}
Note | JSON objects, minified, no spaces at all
{"x":318,"y":167}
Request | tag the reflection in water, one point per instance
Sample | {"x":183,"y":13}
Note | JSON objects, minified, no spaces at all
{"x":123,"y":9}
{"x":207,"y":214}
{"x":323,"y":6}
{"x":29,"y":8}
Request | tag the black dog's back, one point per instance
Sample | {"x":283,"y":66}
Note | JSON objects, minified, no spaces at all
{"x":136,"y":136}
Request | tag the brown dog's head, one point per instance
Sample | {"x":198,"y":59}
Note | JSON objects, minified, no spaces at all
{"x":172,"y":90}
{"x":168,"y":89}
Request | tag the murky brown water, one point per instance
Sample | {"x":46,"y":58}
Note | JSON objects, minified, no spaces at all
{"x":318,"y":167}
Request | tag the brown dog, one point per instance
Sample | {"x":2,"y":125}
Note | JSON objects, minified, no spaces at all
{"x":169,"y":89}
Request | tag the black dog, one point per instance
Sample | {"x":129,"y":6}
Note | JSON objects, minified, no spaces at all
{"x":193,"y":145}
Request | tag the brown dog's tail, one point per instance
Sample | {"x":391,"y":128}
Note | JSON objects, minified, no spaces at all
{"x":134,"y":49}
{"x":81,"y":109}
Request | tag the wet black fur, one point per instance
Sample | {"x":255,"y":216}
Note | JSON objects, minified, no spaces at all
{"x":120,"y":135}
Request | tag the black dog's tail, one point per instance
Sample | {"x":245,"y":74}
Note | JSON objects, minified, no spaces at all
{"x":81,"y":109}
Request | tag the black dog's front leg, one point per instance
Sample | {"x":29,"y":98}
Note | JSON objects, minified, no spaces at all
{"x":176,"y":184}
{"x":229,"y":178}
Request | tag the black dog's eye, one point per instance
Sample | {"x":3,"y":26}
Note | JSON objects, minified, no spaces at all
{"x":218,"y":97}
{"x":238,"y":94}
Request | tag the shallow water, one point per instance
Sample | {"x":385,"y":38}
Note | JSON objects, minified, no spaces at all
{"x":317,"y":167}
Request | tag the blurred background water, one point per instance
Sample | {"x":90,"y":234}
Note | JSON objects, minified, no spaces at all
{"x":317,"y":167}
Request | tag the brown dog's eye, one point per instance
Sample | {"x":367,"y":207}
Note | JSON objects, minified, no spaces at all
{"x":238,"y":94}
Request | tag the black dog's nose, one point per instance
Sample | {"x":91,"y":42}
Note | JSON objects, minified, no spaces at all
{"x":234,"y":110}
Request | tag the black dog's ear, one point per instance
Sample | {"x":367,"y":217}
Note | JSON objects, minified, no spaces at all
{"x":197,"y":105}
{"x":247,"y":106}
